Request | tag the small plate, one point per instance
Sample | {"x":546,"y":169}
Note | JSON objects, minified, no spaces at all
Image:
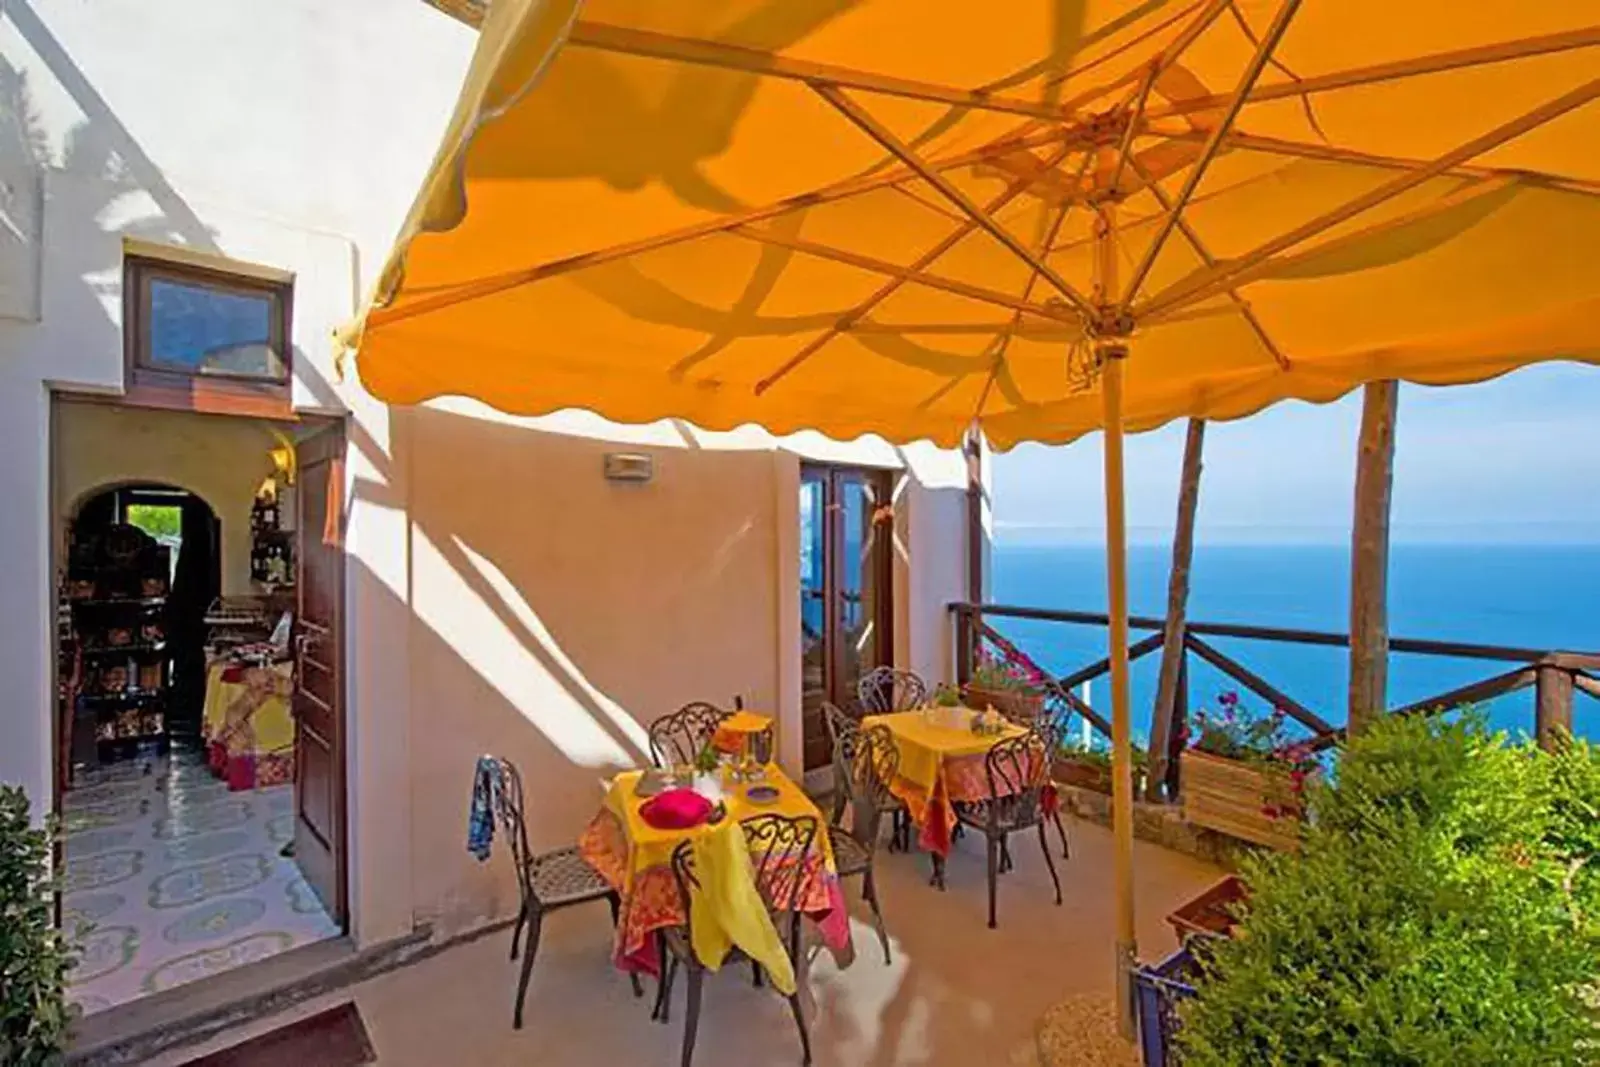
{"x":762,"y":794}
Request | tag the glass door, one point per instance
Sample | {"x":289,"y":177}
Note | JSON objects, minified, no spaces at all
{"x":846,"y":530}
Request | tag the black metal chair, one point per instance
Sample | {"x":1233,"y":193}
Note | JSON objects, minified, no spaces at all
{"x":864,"y":776}
{"x":1018,"y":772}
{"x":781,"y":849}
{"x":678,"y":738}
{"x":844,"y":733}
{"x":884,"y":690}
{"x":546,"y":881}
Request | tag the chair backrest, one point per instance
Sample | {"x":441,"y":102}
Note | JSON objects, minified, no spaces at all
{"x":866,"y":781}
{"x":883,"y":690}
{"x":781,"y":854}
{"x":843,"y":731}
{"x":679,"y":737}
{"x":1018,"y":769}
{"x":508,"y":813}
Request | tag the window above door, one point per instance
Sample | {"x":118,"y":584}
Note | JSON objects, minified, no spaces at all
{"x":204,"y":339}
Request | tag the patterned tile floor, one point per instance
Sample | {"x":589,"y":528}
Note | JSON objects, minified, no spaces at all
{"x":170,"y":878}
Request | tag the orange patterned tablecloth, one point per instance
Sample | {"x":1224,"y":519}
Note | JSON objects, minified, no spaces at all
{"x":941,"y":761}
{"x":634,"y":859}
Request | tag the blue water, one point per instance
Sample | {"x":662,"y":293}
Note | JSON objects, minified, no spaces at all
{"x":1537,"y":596}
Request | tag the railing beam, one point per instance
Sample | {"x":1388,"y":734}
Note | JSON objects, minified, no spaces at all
{"x":1260,"y":686}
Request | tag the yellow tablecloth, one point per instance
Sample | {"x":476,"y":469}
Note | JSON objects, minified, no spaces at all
{"x":650,"y":846}
{"x":247,"y":725}
{"x":635,"y":857}
{"x":927,"y":739}
{"x":940,"y":761}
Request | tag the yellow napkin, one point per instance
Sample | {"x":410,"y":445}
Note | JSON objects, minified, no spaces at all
{"x":728,"y":909}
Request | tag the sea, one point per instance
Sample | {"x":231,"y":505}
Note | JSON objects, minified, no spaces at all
{"x":1534,"y":596}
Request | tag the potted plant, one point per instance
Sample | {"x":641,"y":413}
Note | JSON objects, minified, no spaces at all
{"x":1431,"y":916}
{"x":1242,"y":775}
{"x":34,"y":955}
{"x":1087,"y":767}
{"x":1011,"y":687}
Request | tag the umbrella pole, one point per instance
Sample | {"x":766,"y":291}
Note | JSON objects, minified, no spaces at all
{"x":1121,"y":719}
{"x":1113,"y":353}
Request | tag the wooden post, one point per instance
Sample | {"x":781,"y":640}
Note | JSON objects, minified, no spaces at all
{"x":1553,"y":704}
{"x":1164,"y":722}
{"x":1369,"y":556}
{"x":975,"y":575}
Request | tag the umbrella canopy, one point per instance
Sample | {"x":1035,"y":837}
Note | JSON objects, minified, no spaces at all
{"x":881,"y":215}
{"x":907,"y":217}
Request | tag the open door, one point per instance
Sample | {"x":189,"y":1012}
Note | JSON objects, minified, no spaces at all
{"x":318,"y":702}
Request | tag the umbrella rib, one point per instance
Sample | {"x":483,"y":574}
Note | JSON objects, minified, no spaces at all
{"x":699,"y":52}
{"x":1226,"y":276}
{"x":1307,"y":150}
{"x":932,"y":281}
{"x":1180,"y":292}
{"x":499,"y":283}
{"x":1438,"y":62}
{"x":850,"y":318}
{"x":881,"y":134}
{"x":1258,"y":63}
{"x":1168,"y":56}
{"x":1210,"y":261}
{"x":1046,"y":240}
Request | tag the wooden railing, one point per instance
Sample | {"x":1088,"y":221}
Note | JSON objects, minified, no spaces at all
{"x":1557,"y":677}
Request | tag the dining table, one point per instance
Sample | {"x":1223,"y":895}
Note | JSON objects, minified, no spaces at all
{"x":941,"y":764}
{"x":635,"y":859}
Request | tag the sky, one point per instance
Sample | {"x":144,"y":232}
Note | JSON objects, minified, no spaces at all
{"x":1515,"y":460}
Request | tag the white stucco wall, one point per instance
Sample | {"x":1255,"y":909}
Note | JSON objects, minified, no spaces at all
{"x":501,"y":595}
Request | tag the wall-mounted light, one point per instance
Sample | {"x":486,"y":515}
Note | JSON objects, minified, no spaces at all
{"x":629,"y":467}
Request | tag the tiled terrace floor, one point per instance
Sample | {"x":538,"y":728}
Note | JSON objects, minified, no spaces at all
{"x":957,"y":993}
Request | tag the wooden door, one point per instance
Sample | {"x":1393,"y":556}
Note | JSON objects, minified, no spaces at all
{"x":845,"y":604}
{"x":319,"y":767}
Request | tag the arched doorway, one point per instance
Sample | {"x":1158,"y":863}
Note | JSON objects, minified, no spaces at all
{"x":143,"y":563}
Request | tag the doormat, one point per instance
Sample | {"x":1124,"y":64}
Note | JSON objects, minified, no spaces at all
{"x":332,"y":1038}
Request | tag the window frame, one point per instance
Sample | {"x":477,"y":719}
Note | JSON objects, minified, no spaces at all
{"x":148,"y":382}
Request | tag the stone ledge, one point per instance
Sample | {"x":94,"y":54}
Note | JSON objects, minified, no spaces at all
{"x":1160,"y":824}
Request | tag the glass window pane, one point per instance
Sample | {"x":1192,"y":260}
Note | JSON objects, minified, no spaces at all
{"x":198,"y":329}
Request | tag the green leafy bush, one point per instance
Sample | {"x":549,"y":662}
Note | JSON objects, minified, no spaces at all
{"x":34,"y":957}
{"x":1441,"y":911}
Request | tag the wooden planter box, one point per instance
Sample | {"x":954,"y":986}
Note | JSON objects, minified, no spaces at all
{"x":1012,"y":703}
{"x":1211,"y":914}
{"x":1231,"y":797}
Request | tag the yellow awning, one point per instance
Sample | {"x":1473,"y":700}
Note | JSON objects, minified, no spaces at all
{"x":809,"y":214}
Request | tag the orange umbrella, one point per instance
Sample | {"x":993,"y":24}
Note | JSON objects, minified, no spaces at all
{"x":910,"y":217}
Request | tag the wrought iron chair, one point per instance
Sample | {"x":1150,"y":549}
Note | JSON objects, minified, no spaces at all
{"x":546,"y":881}
{"x":864,"y":776}
{"x":884,"y":690}
{"x":781,"y":849}
{"x":679,"y":737}
{"x":1018,"y":771}
{"x":844,"y":734}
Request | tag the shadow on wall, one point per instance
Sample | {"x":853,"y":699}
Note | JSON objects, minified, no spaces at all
{"x":101,"y":188}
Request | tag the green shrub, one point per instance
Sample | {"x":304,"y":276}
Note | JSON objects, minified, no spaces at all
{"x":1441,"y":911}
{"x":34,"y":957}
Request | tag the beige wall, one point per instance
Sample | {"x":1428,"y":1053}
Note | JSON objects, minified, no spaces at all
{"x":556,"y":612}
{"x":221,"y":460}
